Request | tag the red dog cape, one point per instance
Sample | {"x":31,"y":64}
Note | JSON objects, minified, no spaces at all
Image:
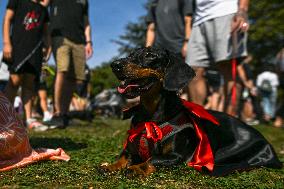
{"x":15,"y":149}
{"x":224,"y":143}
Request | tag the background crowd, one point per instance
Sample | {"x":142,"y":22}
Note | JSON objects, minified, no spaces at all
{"x":210,"y":36}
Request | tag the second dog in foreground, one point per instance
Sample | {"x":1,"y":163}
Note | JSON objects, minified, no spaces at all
{"x":166,"y":130}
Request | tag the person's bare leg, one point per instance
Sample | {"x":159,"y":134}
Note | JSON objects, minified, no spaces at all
{"x":232,"y":109}
{"x":27,"y":94}
{"x":197,"y":87}
{"x":43,"y":100}
{"x":208,"y":105}
{"x":12,"y":87}
{"x":247,"y":111}
{"x":278,"y":122}
{"x":68,"y":88}
{"x":58,"y":91}
{"x":222,"y":99}
{"x":215,"y":99}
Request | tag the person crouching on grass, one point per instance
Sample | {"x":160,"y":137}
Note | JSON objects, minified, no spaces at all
{"x":25,"y":36}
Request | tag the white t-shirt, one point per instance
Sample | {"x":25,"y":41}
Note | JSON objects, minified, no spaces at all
{"x":17,"y":102}
{"x":4,"y":72}
{"x":270,"y":76}
{"x":209,"y":9}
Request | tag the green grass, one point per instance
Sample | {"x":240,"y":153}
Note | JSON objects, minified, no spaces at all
{"x":89,"y":145}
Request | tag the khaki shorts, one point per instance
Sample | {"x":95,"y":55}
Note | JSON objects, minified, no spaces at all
{"x":211,"y":42}
{"x":70,"y":57}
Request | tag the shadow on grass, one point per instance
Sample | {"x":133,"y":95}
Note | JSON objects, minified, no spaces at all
{"x":49,"y":142}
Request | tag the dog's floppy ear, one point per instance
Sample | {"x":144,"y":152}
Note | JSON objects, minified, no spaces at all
{"x":178,"y":76}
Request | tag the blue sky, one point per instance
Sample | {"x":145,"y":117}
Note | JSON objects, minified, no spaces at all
{"x":108,"y":21}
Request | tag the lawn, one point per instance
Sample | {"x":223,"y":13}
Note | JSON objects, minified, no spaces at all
{"x":89,"y":145}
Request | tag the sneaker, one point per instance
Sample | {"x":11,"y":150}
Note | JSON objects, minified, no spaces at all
{"x":36,"y":125}
{"x":46,"y":116}
{"x":57,"y":121}
{"x":252,"y":122}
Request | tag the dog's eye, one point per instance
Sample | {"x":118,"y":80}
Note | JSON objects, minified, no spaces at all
{"x":150,"y":55}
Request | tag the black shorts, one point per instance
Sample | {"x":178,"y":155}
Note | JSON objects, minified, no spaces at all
{"x":26,"y":68}
{"x":40,"y":84}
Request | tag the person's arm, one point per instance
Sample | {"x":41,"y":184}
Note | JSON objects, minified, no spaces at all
{"x":243,"y":5}
{"x":151,"y":26}
{"x":89,"y":43}
{"x":150,"y":35}
{"x":88,"y":33}
{"x":7,"y":45}
{"x":187,"y":29}
{"x":240,"y":21}
{"x":248,"y":83}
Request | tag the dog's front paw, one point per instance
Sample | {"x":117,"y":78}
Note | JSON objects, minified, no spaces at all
{"x":106,"y":167}
{"x":121,"y":163}
{"x":143,"y":169}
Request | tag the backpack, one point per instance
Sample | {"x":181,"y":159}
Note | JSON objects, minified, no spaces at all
{"x":266,"y":86}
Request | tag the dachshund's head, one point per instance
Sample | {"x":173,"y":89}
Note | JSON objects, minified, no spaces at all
{"x":148,"y":67}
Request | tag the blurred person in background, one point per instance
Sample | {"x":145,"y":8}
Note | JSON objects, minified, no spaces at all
{"x":71,"y":44}
{"x":267,"y":83}
{"x":250,"y":110}
{"x":215,"y":25}
{"x":25,"y":35}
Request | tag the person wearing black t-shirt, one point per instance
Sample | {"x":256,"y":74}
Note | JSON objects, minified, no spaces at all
{"x":169,"y":25}
{"x":71,"y":44}
{"x":24,"y":28}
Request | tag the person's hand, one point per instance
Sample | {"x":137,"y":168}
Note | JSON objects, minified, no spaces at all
{"x":46,"y":53}
{"x":7,"y":51}
{"x":88,"y":50}
{"x":240,"y":22}
{"x":184,"y":49}
{"x":253,"y":91}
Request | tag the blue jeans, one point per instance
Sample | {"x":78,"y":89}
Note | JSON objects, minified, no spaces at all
{"x":3,"y":85}
{"x":269,"y":103}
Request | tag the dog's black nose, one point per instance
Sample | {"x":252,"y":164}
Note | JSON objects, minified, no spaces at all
{"x":117,"y":65}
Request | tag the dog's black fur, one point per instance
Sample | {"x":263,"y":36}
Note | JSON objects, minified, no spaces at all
{"x":156,"y":76}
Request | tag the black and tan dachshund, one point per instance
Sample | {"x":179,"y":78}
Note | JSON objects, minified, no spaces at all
{"x":166,"y":130}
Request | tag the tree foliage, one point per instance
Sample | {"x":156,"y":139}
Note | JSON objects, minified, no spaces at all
{"x":266,"y":35}
{"x":134,"y":36}
{"x":103,"y":78}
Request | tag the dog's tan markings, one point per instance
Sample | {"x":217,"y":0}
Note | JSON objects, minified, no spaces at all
{"x":121,"y":163}
{"x":149,"y":72}
{"x":137,"y":71}
{"x":143,"y":169}
{"x":151,"y":99}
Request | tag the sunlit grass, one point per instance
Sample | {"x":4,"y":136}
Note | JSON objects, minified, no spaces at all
{"x":101,"y":141}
